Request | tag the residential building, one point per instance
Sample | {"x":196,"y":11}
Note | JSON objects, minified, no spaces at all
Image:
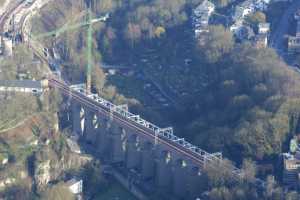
{"x":238,"y":17}
{"x":293,"y":44}
{"x":206,"y":7}
{"x":26,"y":86}
{"x":243,"y":9}
{"x":263,"y":28}
{"x":241,"y":30}
{"x":291,"y":163}
{"x":294,"y":41}
{"x":291,"y":170}
{"x":261,"y":5}
{"x":201,"y":16}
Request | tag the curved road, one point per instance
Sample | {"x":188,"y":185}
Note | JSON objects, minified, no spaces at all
{"x":8,"y":12}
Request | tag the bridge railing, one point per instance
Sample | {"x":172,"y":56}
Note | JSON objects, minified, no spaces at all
{"x":167,"y":133}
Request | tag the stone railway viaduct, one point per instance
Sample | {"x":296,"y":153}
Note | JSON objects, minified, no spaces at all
{"x":120,"y":137}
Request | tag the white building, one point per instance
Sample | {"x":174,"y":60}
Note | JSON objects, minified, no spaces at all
{"x":235,"y":28}
{"x":25,"y":86}
{"x":241,"y":11}
{"x":201,"y":15}
{"x":75,"y":186}
{"x":263,"y":28}
{"x":206,"y":7}
{"x":244,"y":9}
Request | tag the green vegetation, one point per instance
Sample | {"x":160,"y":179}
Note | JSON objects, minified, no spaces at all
{"x":216,"y":44}
{"x":58,"y":192}
{"x":275,"y":12}
{"x":99,"y":187}
{"x":114,"y":192}
{"x":234,"y":98}
{"x":23,"y":62}
{"x":16,"y":108}
{"x":256,"y":18}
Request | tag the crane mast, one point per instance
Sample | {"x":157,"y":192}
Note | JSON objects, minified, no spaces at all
{"x":89,"y":52}
{"x":89,"y":40}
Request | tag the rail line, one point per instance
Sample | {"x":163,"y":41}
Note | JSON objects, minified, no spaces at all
{"x":7,"y":14}
{"x":196,"y":158}
{"x":199,"y":157}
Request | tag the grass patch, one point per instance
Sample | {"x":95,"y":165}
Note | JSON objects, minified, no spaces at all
{"x":115,"y":192}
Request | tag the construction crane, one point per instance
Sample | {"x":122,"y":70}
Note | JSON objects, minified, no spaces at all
{"x":89,"y":22}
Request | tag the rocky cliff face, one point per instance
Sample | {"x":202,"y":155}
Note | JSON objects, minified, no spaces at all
{"x":52,"y":169}
{"x":36,"y":153}
{"x":51,"y":162}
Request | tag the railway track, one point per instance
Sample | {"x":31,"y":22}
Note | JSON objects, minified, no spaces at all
{"x":8,"y":13}
{"x":38,"y":52}
{"x":20,"y":26}
{"x":199,"y":159}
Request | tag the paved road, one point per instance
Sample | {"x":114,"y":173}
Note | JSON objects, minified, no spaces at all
{"x":7,"y":12}
{"x":277,"y":38}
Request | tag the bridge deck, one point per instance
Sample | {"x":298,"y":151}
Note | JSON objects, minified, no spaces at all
{"x":147,"y":129}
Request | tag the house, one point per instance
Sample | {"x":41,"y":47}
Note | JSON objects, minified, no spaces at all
{"x":205,"y":7}
{"x":291,"y":162}
{"x":294,"y":41}
{"x":291,"y":170}
{"x":26,"y":86}
{"x":75,"y":186}
{"x":201,"y":16}
{"x":297,"y":15}
{"x":244,"y":9}
{"x":293,"y":44}
{"x":263,"y":28}
{"x":261,"y":5}
{"x":241,"y":30}
{"x":241,"y":11}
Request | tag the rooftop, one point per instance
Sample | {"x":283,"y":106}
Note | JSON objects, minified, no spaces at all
{"x":21,"y":83}
{"x":205,"y":7}
{"x":73,"y":181}
{"x":294,"y":41}
{"x":264,"y":25}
